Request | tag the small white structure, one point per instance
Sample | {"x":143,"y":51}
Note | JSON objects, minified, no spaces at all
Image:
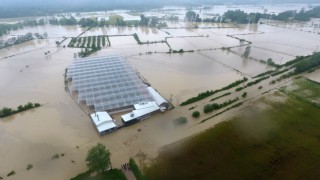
{"x":103,"y":122}
{"x":142,"y":111}
{"x":161,"y":102}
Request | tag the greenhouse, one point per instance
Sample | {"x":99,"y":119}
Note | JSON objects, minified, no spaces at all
{"x":106,"y":83}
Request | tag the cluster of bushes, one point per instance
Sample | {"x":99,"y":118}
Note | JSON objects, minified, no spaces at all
{"x":279,"y":72}
{"x":257,"y":81}
{"x":4,"y":112}
{"x":210,"y":93}
{"x":210,"y":107}
{"x":136,"y":171}
{"x":88,"y":52}
{"x":234,"y":106}
{"x":263,"y":74}
{"x":253,"y":83}
{"x":307,"y":63}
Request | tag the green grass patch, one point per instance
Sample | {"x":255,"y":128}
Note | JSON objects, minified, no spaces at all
{"x":111,"y":174}
{"x":135,"y":169}
{"x":305,"y":90}
{"x":282,"y":142}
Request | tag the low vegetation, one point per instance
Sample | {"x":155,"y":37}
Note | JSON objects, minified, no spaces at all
{"x":196,"y":114}
{"x":29,"y":166}
{"x":4,"y":112}
{"x":98,"y":162}
{"x":267,"y":144}
{"x":88,"y":42}
{"x":88,"y":52}
{"x":244,"y":95}
{"x":180,"y":120}
{"x":11,"y":173}
{"x":136,"y":171}
{"x":210,"y":93}
{"x":215,"y":106}
{"x":110,"y":174}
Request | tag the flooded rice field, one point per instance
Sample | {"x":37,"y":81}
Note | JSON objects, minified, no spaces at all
{"x":200,"y":43}
{"x":60,"y":126}
{"x":179,"y":77}
{"x":145,"y":34}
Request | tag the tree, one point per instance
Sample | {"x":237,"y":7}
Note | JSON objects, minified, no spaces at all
{"x":98,"y":158}
{"x":191,"y":16}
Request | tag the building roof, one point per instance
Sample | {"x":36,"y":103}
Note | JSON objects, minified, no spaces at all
{"x":141,"y":110}
{"x":102,"y":121}
{"x":106,"y":83}
{"x":156,"y":96}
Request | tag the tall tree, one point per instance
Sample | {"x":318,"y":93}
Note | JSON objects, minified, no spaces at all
{"x":98,"y":158}
{"x":191,"y":16}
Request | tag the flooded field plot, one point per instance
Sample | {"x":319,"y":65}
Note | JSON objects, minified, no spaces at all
{"x":181,"y":32}
{"x":264,"y":54}
{"x":145,"y":34}
{"x":246,"y":66}
{"x":315,"y":76}
{"x":199,"y":43}
{"x":305,"y":90}
{"x":133,"y":50}
{"x":182,"y":76}
{"x":54,"y":31}
{"x":26,"y":47}
{"x":242,"y":29}
{"x":122,"y":40}
{"x":285,"y":41}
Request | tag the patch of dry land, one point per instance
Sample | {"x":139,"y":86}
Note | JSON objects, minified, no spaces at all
{"x":60,"y":127}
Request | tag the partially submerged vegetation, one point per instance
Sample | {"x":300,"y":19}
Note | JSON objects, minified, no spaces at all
{"x":215,"y":106}
{"x":135,"y":169}
{"x":210,"y":93}
{"x":268,"y":144}
{"x":5,"y":111}
{"x":89,"y":42}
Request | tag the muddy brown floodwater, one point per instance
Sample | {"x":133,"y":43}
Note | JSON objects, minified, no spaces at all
{"x":59,"y":126}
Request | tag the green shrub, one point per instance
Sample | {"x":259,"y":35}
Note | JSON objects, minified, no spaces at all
{"x":11,"y":173}
{"x":244,"y":95}
{"x":196,"y":114}
{"x":207,"y":108}
{"x":180,"y":120}
{"x":29,"y":166}
{"x":136,"y":171}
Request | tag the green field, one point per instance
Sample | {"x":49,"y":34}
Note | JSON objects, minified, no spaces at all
{"x":305,"y":90}
{"x":279,"y":141}
{"x":89,"y":42}
{"x":111,"y":174}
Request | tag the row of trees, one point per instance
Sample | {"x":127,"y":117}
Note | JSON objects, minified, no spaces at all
{"x":240,"y":17}
{"x":21,"y":39}
{"x":299,"y":16}
{"x":5,"y":28}
{"x":4,"y":112}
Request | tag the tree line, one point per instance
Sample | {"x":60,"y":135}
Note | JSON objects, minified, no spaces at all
{"x":241,"y":17}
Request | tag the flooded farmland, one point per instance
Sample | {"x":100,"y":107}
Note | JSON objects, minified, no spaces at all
{"x":29,"y":74}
